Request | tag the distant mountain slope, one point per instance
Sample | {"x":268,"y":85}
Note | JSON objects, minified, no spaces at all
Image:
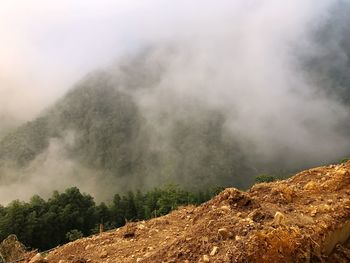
{"x":109,"y":132}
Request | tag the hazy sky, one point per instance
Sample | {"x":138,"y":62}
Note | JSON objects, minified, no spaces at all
{"x":46,"y":45}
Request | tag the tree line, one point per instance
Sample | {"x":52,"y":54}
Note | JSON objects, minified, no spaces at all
{"x":44,"y":224}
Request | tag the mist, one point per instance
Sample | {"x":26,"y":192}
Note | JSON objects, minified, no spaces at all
{"x":244,"y":59}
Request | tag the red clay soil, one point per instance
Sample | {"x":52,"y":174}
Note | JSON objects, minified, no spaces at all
{"x":300,"y":219}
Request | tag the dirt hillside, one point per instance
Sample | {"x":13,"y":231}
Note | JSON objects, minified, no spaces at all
{"x":301,"y":219}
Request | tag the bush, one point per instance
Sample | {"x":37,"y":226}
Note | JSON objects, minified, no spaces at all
{"x":265,"y":178}
{"x":345,"y":160}
{"x":74,"y":235}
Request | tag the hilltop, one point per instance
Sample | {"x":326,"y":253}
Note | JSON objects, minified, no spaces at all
{"x":295,"y":220}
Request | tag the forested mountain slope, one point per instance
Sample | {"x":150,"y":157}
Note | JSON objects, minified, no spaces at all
{"x":103,"y":127}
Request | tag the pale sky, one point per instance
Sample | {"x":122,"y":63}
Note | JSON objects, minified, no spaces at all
{"x":47,"y":45}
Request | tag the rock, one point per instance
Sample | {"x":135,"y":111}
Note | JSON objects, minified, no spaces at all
{"x":223,"y":233}
{"x":206,"y":258}
{"x":343,"y":172}
{"x":313,"y":212}
{"x":89,"y":247}
{"x":225,"y":208}
{"x":310,"y":186}
{"x":38,"y":258}
{"x":210,"y":222}
{"x":329,"y":201}
{"x":205,"y":239}
{"x":11,"y":249}
{"x":258,"y":216}
{"x":141,"y":226}
{"x":103,"y":254}
{"x":279,"y":218}
{"x":214,"y":251}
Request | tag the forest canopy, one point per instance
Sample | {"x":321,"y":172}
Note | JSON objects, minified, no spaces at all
{"x":65,"y":216}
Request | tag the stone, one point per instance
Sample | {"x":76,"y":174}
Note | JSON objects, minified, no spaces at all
{"x":310,"y":186}
{"x":313,"y":212}
{"x":223,"y":233}
{"x":103,"y":254}
{"x":238,"y":238}
{"x":225,"y":208}
{"x":205,"y":239}
{"x":210,"y":223}
{"x":141,"y":226}
{"x":11,"y":249}
{"x":206,"y":258}
{"x":38,"y":258}
{"x":214,"y":251}
{"x":279,"y":218}
{"x":89,"y":247}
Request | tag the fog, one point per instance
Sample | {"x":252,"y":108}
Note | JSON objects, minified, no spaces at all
{"x":242,"y":58}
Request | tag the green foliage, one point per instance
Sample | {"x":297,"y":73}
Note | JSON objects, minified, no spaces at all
{"x":265,"y":178}
{"x":74,"y":235}
{"x":70,"y":215}
{"x":345,"y":160}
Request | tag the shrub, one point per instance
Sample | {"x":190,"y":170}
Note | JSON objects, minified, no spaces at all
{"x":345,"y":160}
{"x":265,"y":178}
{"x":74,"y":235}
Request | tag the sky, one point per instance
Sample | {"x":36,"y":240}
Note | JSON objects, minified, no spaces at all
{"x":48,"y":45}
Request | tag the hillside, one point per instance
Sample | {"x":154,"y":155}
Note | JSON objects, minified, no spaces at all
{"x":101,"y":127}
{"x":296,"y":220}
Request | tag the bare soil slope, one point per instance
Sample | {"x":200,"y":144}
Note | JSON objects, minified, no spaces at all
{"x":300,"y":219}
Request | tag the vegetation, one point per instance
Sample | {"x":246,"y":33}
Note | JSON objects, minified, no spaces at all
{"x":265,"y":178}
{"x":74,"y":235}
{"x":70,"y":215}
{"x":345,"y":160}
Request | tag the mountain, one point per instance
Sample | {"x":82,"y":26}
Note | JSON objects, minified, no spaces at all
{"x":102,"y":126}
